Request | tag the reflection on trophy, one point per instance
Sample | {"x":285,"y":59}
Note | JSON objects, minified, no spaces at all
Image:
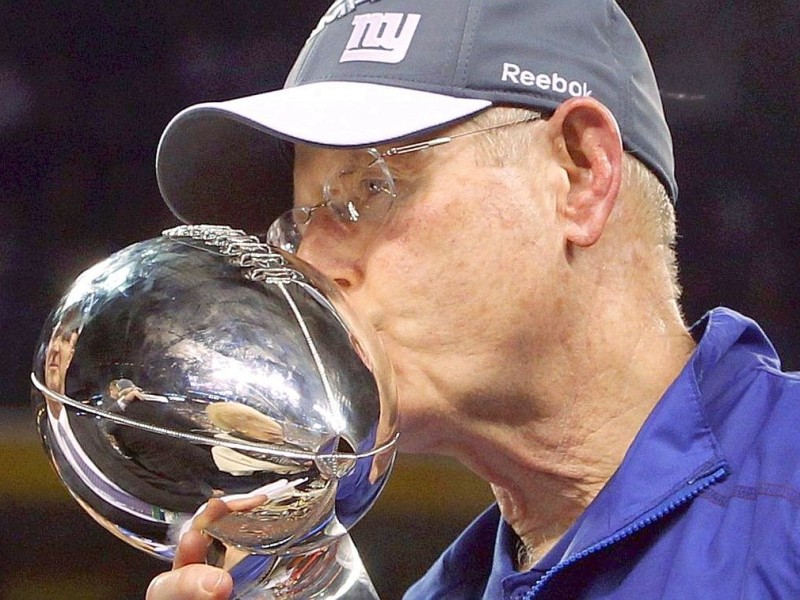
{"x":204,"y":380}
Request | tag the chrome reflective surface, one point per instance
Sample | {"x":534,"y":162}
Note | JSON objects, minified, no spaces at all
{"x":204,"y":366}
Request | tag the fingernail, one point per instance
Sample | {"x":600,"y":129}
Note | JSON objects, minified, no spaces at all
{"x":209,"y":582}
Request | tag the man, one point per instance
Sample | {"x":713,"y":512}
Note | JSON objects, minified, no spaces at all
{"x":491,"y":184}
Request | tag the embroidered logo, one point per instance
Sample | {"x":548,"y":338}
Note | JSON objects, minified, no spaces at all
{"x":544,"y":81}
{"x":380,"y":37}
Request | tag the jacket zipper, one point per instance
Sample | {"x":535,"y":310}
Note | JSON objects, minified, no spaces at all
{"x":699,"y":483}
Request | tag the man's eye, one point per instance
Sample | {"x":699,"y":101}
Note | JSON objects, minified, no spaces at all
{"x":375,"y":186}
{"x":369,"y":189}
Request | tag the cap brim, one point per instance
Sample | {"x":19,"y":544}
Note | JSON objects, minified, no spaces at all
{"x":216,"y":165}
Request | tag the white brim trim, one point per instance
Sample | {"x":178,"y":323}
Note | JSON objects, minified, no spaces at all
{"x":339,"y":113}
{"x":224,"y":163}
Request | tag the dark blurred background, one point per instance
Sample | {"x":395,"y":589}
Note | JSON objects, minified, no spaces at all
{"x":85,"y":91}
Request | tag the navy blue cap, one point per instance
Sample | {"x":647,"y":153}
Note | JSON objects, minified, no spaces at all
{"x":376,"y":71}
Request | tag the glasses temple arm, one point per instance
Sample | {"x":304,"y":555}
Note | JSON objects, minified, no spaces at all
{"x":416,"y":147}
{"x":398,"y":150}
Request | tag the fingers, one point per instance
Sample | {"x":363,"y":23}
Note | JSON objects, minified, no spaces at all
{"x":191,"y":549}
{"x":190,"y":579}
{"x":193,"y":545}
{"x":248,"y":503}
{"x":214,"y":510}
{"x":191,"y":582}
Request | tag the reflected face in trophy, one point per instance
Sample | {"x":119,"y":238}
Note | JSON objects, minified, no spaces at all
{"x":441,"y":278}
{"x":60,"y":351}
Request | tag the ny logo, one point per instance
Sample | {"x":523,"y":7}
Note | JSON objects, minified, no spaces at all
{"x":380,"y":37}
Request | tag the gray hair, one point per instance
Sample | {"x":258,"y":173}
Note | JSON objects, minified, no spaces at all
{"x":648,"y":204}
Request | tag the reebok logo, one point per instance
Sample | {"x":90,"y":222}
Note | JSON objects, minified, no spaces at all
{"x":380,"y":37}
{"x":543,"y":81}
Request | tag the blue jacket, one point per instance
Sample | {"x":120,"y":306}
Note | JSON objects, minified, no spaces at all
{"x":706,"y":503}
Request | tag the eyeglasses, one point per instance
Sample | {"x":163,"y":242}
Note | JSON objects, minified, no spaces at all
{"x":363,"y":192}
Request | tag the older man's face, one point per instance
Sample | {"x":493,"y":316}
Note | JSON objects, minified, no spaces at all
{"x":60,"y":351}
{"x":457,"y":281}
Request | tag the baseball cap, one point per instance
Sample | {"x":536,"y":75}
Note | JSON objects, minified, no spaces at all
{"x":376,"y":71}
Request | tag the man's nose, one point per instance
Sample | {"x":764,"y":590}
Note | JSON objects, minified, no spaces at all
{"x":335,"y":248}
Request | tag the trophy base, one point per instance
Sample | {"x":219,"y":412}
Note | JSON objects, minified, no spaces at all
{"x":335,"y":571}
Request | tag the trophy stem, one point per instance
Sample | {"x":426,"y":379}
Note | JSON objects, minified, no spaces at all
{"x":335,"y":571}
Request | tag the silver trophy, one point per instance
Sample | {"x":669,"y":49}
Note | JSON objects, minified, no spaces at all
{"x":205,"y":380}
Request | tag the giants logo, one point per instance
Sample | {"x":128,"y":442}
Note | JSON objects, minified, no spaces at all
{"x":380,"y":37}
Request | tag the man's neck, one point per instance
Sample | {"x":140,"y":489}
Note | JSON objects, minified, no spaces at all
{"x":545,"y":471}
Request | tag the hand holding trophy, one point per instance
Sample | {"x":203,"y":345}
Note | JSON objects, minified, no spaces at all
{"x":204,"y":380}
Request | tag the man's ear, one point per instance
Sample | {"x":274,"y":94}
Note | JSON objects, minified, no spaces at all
{"x":588,"y":147}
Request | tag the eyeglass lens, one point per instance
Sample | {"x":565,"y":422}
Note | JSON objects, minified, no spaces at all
{"x":361,"y":192}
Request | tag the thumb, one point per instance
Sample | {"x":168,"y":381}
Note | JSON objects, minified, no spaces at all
{"x":192,"y":582}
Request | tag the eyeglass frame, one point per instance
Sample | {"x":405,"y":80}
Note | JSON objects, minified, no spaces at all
{"x":380,"y":158}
